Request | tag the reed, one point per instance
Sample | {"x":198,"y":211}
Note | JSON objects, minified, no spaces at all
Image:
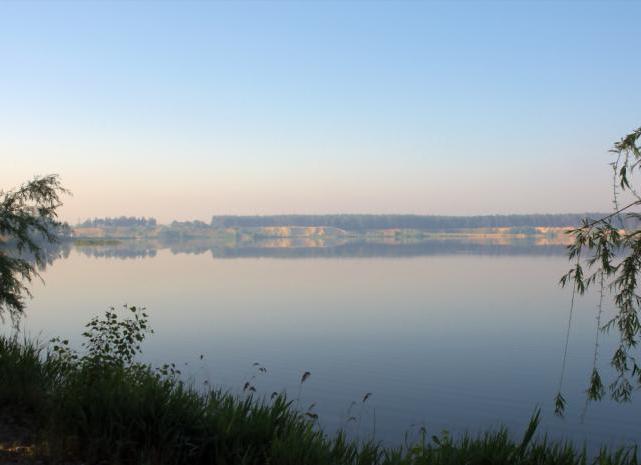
{"x":101,"y":406}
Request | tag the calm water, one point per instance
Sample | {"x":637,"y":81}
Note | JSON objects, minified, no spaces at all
{"x":446,"y":336}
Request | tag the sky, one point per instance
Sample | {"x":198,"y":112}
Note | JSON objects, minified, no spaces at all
{"x":191,"y":109}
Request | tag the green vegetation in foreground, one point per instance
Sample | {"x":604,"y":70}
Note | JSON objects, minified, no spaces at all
{"x":100,"y":405}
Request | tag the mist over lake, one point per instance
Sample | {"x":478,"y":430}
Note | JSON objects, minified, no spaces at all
{"x":320,"y":232}
{"x":449,"y":335}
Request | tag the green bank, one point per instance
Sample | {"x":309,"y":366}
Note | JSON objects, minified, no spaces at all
{"x":99,"y":404}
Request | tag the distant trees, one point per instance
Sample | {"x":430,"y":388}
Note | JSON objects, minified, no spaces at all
{"x":351,"y":222}
{"x":121,"y":221}
{"x":28,"y":217}
{"x":425,"y":222}
{"x":189,"y":224}
{"x":606,"y":253}
{"x":181,"y":230}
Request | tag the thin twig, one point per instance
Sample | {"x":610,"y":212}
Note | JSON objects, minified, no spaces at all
{"x":603,"y":220}
{"x":596,"y":339}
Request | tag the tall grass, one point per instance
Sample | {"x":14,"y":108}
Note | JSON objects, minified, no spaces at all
{"x":100,"y":407}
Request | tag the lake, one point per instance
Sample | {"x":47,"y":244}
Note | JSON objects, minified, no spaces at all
{"x":448,"y":335}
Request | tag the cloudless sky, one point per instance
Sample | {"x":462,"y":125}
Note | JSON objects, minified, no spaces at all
{"x":183,"y":110}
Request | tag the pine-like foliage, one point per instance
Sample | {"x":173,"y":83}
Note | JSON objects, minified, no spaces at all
{"x":28,"y":217}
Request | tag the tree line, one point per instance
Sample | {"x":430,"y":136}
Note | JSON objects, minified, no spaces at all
{"x":121,"y":221}
{"x":357,"y":222}
{"x":427,"y":222}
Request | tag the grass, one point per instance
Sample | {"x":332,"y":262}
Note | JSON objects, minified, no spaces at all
{"x":100,"y":406}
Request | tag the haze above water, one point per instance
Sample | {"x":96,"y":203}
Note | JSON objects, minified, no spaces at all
{"x":455,"y":338}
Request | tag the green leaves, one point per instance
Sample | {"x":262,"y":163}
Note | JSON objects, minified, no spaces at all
{"x":559,"y":405}
{"x":611,"y":254}
{"x":596,"y":389}
{"x":533,"y":424}
{"x":115,"y":340}
{"x":28,"y":215}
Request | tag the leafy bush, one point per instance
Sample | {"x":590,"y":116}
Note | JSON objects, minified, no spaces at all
{"x":100,"y":405}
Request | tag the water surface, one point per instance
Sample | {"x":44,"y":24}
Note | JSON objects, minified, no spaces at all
{"x":450,"y":337}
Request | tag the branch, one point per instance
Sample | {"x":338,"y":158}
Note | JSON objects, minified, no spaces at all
{"x":607,"y":217}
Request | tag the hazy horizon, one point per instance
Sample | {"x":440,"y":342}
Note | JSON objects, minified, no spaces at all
{"x":394,"y":265}
{"x":208,"y":220}
{"x":185,"y":110}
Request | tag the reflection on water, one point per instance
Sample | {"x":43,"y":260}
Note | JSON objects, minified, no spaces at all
{"x":448,"y":334}
{"x":293,"y":248}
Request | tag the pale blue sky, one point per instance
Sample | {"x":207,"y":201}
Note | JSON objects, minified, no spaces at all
{"x":184,"y":110}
